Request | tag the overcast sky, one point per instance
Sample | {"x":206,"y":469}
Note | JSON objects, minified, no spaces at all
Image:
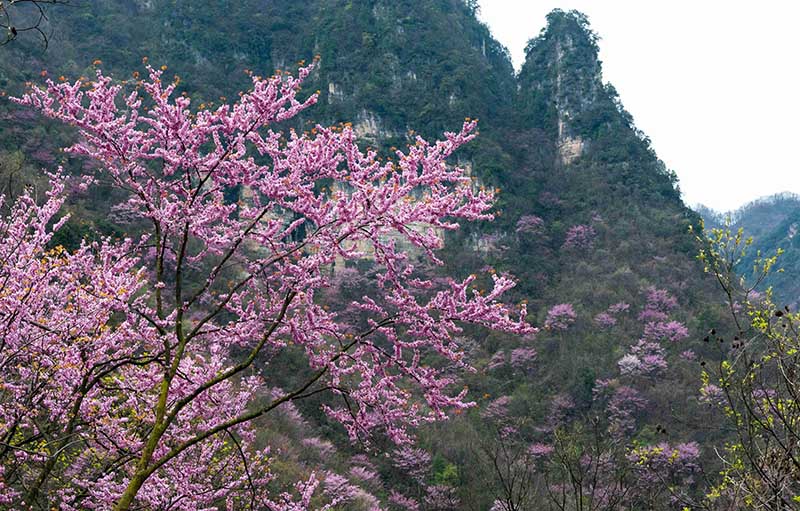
{"x":715,"y":84}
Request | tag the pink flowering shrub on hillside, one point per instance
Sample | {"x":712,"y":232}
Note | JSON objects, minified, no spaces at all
{"x":560,"y":317}
{"x":529,"y":224}
{"x":580,"y":237}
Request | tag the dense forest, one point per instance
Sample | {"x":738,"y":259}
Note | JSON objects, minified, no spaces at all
{"x":267,"y":306}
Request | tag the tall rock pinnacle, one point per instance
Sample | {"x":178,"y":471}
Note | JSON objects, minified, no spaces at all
{"x":561,"y":81}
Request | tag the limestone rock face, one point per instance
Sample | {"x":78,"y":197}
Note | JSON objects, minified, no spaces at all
{"x":334,"y":93}
{"x":561,"y":82}
{"x":368,"y":126}
{"x":570,"y":149}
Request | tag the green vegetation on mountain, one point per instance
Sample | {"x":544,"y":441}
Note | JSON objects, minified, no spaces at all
{"x":773,"y":223}
{"x":588,"y":215}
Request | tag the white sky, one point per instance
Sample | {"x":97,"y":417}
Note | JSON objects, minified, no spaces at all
{"x":715,"y":84}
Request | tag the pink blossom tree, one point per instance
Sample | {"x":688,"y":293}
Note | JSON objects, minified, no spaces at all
{"x":133,"y":369}
{"x":560,"y":317}
{"x":529,"y":224}
{"x":579,"y":237}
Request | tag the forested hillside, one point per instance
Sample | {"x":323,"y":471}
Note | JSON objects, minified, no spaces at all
{"x":605,"y":406}
{"x":772,"y":222}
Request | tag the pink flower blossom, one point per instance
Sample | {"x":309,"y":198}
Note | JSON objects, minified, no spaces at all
{"x":523,"y":358}
{"x":560,"y":317}
{"x":622,"y":408}
{"x":645,"y":359}
{"x":497,"y":409}
{"x":712,"y":394}
{"x":442,"y":498}
{"x":322,"y":447}
{"x":539,"y":450}
{"x":659,"y":303}
{"x":497,"y":361}
{"x":618,"y":308}
{"x":366,"y":476}
{"x":605,"y":320}
{"x":529,"y":224}
{"x":403,"y":503}
{"x":162,"y":382}
{"x":414,"y":462}
{"x":580,"y":237}
{"x":630,"y":365}
{"x":672,"y":331}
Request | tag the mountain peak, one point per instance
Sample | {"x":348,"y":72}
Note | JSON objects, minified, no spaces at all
{"x":562,"y":77}
{"x":573,"y":23}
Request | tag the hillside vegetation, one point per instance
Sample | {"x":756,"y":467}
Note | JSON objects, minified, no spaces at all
{"x":589,"y":221}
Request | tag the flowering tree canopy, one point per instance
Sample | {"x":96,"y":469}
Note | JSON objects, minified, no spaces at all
{"x":529,"y":224}
{"x":132,"y":369}
{"x":580,"y":237}
{"x":560,"y":316}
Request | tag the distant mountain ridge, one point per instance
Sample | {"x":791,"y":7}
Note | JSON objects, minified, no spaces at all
{"x":773,"y":222}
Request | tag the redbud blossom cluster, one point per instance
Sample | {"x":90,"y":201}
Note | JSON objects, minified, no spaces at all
{"x":145,"y":359}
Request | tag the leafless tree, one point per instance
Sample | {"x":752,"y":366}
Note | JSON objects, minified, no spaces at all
{"x":20,"y":16}
{"x":514,"y":471}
